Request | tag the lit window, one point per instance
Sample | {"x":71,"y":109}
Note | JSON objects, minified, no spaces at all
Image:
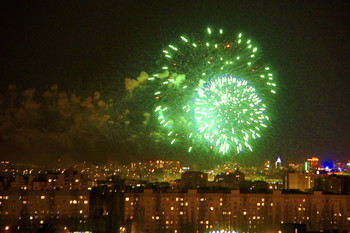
{"x":42,"y":197}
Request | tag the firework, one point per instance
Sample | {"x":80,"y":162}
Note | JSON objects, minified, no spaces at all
{"x":229,"y":113}
{"x":213,"y":92}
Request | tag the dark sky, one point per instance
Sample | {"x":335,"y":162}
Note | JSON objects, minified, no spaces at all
{"x":89,"y":46}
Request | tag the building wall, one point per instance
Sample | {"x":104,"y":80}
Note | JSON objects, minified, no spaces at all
{"x":301,"y":181}
{"x":254,"y":212}
{"x":37,"y":205}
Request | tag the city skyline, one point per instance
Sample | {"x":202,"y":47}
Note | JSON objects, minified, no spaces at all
{"x":66,"y":65}
{"x":142,"y":197}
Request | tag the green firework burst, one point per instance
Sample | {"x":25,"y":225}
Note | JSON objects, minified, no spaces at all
{"x":199,"y":73}
{"x":229,"y":113}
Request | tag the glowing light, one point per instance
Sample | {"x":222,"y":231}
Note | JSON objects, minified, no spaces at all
{"x":215,"y":95}
{"x":184,"y":39}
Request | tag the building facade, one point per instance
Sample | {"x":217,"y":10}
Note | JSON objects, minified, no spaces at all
{"x":196,"y":211}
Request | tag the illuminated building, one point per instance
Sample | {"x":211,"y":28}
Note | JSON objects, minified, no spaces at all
{"x":300,"y":181}
{"x":43,"y":205}
{"x":193,"y":179}
{"x":27,"y":200}
{"x":278,"y":163}
{"x":333,"y":184}
{"x":203,"y":211}
{"x":234,"y":177}
{"x":312,"y":164}
{"x":267,"y":164}
{"x":230,"y":180}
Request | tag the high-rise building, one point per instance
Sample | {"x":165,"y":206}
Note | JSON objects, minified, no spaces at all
{"x":300,"y":181}
{"x":333,"y":184}
{"x":21,"y":206}
{"x":193,"y":179}
{"x":278,"y":163}
{"x":312,"y":164}
{"x":203,"y":211}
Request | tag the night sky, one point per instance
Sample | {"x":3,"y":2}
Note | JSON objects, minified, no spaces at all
{"x":63,"y":66}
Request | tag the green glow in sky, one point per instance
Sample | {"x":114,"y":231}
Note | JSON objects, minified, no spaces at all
{"x":214,"y":94}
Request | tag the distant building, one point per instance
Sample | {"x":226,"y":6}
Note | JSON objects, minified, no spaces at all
{"x":230,"y":180}
{"x":67,"y":180}
{"x":254,"y":186}
{"x":300,"y":181}
{"x":193,"y":180}
{"x":278,"y":163}
{"x":234,"y":177}
{"x":312,"y":164}
{"x":333,"y":184}
{"x":267,"y":164}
